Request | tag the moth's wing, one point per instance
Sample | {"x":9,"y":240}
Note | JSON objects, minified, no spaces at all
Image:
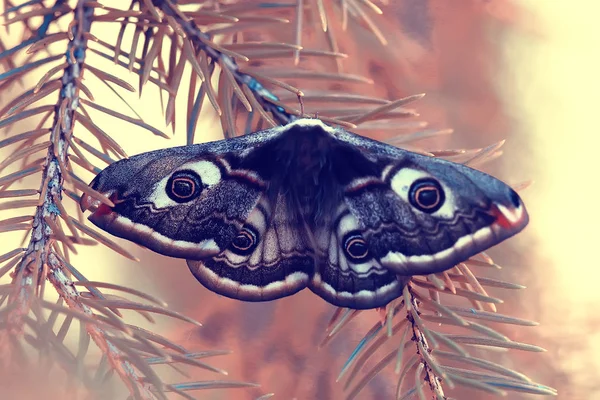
{"x":345,"y":281}
{"x":146,"y":214}
{"x":278,"y":263}
{"x":476,"y":212}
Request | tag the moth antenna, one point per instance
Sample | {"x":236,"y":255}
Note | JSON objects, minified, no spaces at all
{"x":301,"y":104}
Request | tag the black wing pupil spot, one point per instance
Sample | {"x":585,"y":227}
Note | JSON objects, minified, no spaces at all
{"x":426,"y":195}
{"x":245,"y":242}
{"x":356,"y":248}
{"x":184,"y":186}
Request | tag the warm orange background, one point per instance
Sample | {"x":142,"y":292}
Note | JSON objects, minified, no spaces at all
{"x":491,"y":71}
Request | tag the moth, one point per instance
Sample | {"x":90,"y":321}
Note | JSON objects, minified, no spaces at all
{"x":265,"y":215}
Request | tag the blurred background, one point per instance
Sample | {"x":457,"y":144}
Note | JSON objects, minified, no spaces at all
{"x":526,"y":72}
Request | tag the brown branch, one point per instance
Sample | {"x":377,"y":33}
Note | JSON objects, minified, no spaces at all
{"x":423,"y":346}
{"x":40,"y":257}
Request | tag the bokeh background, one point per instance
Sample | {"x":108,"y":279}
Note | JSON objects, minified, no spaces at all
{"x":526,"y":72}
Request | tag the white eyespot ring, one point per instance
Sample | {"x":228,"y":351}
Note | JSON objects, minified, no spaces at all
{"x":404,"y":183}
{"x":204,"y":174}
